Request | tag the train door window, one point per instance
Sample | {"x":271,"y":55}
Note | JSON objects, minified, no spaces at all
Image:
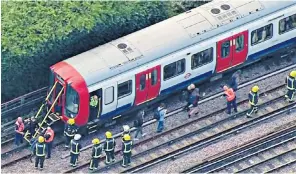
{"x":201,"y":58}
{"x":154,"y":77}
{"x":225,"y":49}
{"x":124,"y":89}
{"x":142,"y":82}
{"x":174,"y":69}
{"x":262,"y":34}
{"x":287,"y":24}
{"x":109,"y":95}
{"x":239,"y":43}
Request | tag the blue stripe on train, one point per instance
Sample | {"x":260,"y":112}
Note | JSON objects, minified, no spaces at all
{"x":181,"y":85}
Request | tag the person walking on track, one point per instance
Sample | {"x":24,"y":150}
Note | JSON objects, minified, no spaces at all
{"x":138,"y":123}
{"x":127,"y":150}
{"x":96,"y":154}
{"x":161,"y":111}
{"x":75,"y":150}
{"x":19,"y":131}
{"x":193,"y":99}
{"x":39,"y":152}
{"x":253,"y":100}
{"x":291,"y":86}
{"x":231,"y":99}
{"x":109,"y":147}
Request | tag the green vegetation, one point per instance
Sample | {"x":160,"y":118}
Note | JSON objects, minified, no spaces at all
{"x":36,"y":35}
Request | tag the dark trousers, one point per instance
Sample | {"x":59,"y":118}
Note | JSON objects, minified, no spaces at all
{"x":139,"y":130}
{"x":48,"y":149}
{"x":39,"y":160}
{"x":93,"y":113}
{"x":110,"y":156}
{"x":126,"y":158}
{"x":73,"y":159}
{"x":290,"y":94}
{"x":94,"y":163}
{"x":233,"y":103}
{"x":68,"y":139}
{"x":252,"y":109}
{"x":18,"y":138}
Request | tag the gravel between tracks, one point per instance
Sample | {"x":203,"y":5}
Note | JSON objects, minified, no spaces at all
{"x":195,"y":157}
{"x":288,"y":169}
{"x":173,"y":102}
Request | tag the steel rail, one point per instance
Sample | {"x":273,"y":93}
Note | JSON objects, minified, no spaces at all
{"x":282,"y":166}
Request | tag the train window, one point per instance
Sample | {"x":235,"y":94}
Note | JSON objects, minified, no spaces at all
{"x":202,"y":58}
{"x":124,"y":89}
{"x":262,"y":34}
{"x":72,"y":102}
{"x":142,"y":82}
{"x":239,"y":43}
{"x":109,"y":95}
{"x":154,"y":77}
{"x":287,"y":24}
{"x":174,"y":69}
{"x":225,"y":49}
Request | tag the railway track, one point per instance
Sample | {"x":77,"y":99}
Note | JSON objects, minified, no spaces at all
{"x":265,"y":155}
{"x":195,"y":134}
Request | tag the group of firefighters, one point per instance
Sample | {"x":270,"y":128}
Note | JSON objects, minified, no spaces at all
{"x":44,"y":142}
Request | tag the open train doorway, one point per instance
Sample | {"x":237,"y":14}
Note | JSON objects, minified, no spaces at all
{"x":95,"y":108}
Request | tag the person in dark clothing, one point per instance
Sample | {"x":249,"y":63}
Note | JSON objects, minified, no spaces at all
{"x":70,"y":130}
{"x":31,"y":126}
{"x":138,"y":125}
{"x":109,"y":148}
{"x":127,"y":150}
{"x":96,"y":154}
{"x":234,"y":80}
{"x":253,"y":100}
{"x":75,"y":150}
{"x":39,"y":151}
{"x":193,"y":99}
{"x":291,"y":86}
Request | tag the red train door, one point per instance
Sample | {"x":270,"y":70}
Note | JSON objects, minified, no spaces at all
{"x":232,"y":51}
{"x":147,"y":85}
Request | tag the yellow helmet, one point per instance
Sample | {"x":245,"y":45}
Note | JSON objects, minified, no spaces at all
{"x":71,"y":121}
{"x":96,"y":141}
{"x":127,"y":137}
{"x":41,"y":139}
{"x":293,"y":74}
{"x":108,"y":134}
{"x":255,"y":88}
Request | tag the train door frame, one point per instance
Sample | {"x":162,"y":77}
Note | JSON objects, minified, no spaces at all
{"x":61,"y":101}
{"x":98,"y":93}
{"x":150,"y":91}
{"x":234,"y":57}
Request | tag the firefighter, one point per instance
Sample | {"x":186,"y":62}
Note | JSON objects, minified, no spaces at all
{"x":19,"y":131}
{"x":49,"y":136}
{"x":96,"y":154}
{"x":127,"y":150}
{"x":291,"y":86}
{"x":70,"y":131}
{"x":39,"y":151}
{"x":126,"y":130}
{"x":231,"y":99}
{"x":75,"y":150}
{"x":93,"y":107}
{"x":253,"y":100}
{"x":109,"y":147}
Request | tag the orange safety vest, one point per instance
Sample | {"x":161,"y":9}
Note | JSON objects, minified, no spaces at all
{"x":21,"y":126}
{"x":229,"y":94}
{"x":51,"y":133}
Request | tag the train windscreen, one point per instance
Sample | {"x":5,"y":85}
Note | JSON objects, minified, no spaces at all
{"x":71,"y":103}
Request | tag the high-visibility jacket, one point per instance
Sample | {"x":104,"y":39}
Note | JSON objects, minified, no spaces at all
{"x":230,"y":95}
{"x":70,"y":130}
{"x":253,"y":98}
{"x":75,"y":147}
{"x":291,"y":83}
{"x":49,"y":132}
{"x":20,"y":126}
{"x":40,"y":149}
{"x":127,"y":146}
{"x":97,"y":150}
{"x":93,"y":102}
{"x":109,"y":144}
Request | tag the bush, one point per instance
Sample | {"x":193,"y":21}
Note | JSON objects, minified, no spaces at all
{"x":36,"y":35}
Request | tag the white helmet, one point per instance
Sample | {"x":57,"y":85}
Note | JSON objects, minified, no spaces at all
{"x":190,"y":87}
{"x":126,"y":128}
{"x":77,"y":137}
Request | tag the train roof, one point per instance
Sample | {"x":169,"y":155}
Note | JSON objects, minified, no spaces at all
{"x":168,"y":36}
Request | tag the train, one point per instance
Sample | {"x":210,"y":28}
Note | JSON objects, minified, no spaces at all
{"x":132,"y":72}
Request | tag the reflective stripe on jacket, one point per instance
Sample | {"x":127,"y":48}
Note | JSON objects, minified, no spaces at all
{"x":97,"y":150}
{"x":75,"y":147}
{"x":70,"y":130}
{"x":291,"y":82}
{"x":40,"y":149}
{"x":253,"y":98}
{"x":51,"y":133}
{"x":230,"y":95}
{"x":127,"y":146}
{"x":20,"y":126}
{"x":109,"y":144}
